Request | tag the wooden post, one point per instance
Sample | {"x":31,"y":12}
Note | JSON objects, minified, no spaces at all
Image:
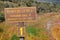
{"x":21,"y":30}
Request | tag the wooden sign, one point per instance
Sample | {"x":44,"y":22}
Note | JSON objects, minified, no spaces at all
{"x":21,"y":14}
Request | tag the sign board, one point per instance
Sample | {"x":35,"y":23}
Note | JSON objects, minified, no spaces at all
{"x":21,"y":14}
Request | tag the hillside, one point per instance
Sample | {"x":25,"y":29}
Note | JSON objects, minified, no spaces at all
{"x":42,"y":7}
{"x":47,"y":14}
{"x":37,"y":31}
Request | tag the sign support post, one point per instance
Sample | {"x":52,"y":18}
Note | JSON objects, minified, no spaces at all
{"x":20,"y":33}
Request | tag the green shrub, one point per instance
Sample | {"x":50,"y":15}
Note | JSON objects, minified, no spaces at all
{"x":31,"y":30}
{"x":2,"y":17}
{"x":1,"y":30}
{"x":39,"y":32}
{"x":14,"y":37}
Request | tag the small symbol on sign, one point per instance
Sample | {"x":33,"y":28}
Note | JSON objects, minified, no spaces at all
{"x":21,"y":31}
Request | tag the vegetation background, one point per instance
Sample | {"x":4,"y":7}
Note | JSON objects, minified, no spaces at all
{"x":34,"y":32}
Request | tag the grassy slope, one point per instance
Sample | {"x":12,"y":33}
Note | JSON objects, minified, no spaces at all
{"x":37,"y":31}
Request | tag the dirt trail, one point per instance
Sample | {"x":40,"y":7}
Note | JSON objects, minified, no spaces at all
{"x":48,"y":29}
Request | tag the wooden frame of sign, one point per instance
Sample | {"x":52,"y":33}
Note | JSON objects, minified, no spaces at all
{"x":20,"y":14}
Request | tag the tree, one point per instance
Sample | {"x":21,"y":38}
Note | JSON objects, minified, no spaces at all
{"x":29,"y":3}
